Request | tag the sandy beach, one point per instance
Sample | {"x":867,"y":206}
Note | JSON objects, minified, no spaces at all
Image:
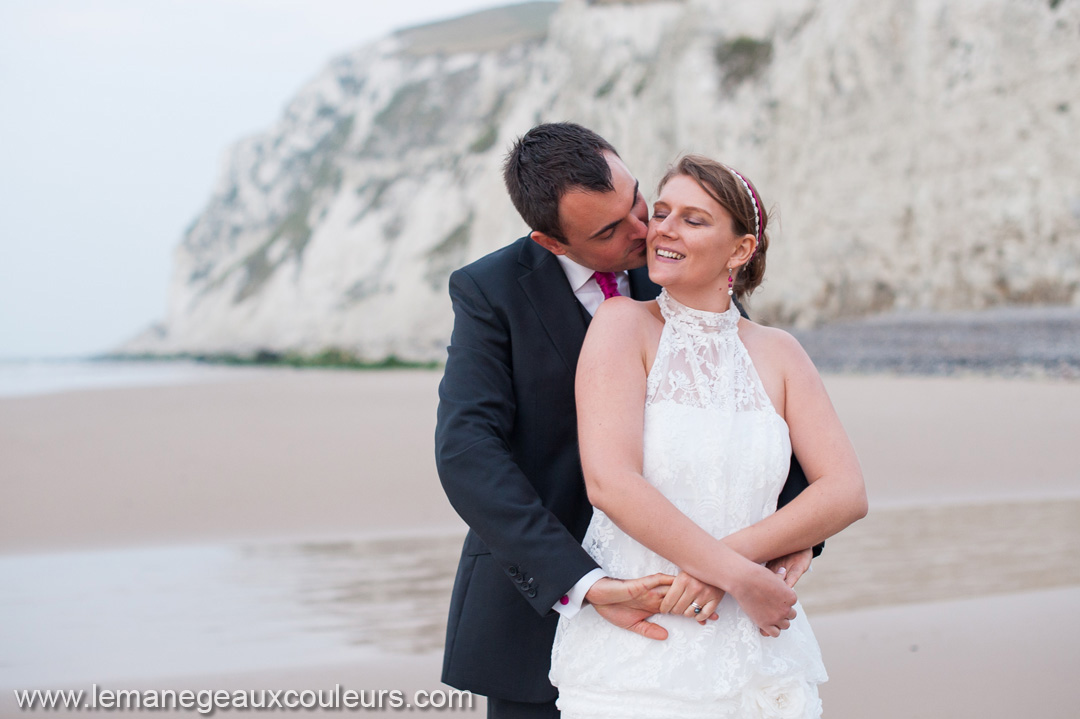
{"x":955,"y":597}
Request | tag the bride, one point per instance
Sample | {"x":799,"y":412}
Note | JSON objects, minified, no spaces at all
{"x":688,"y":415}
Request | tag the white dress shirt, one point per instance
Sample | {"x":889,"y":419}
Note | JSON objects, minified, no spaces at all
{"x":585,"y":286}
{"x":589,"y":294}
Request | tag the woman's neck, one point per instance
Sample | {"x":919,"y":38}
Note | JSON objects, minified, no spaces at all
{"x":708,"y":300}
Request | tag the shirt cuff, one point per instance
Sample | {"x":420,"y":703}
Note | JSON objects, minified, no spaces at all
{"x":570,"y":604}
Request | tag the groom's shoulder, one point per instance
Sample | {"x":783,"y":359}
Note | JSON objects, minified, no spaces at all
{"x":498,"y":263}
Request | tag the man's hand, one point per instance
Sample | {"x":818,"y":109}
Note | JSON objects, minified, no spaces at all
{"x":628,"y":603}
{"x":792,"y":566}
{"x":685,"y":591}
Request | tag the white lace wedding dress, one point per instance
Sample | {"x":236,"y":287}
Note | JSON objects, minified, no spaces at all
{"x":717,"y":449}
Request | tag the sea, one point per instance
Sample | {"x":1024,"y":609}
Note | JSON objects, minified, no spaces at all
{"x":21,"y":378}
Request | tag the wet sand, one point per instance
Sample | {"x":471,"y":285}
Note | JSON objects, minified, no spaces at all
{"x":271,"y":454}
{"x":330,"y":453}
{"x":971,"y":552}
{"x":1000,"y":657}
{"x":994,"y":657}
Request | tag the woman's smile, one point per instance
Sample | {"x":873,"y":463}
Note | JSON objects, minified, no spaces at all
{"x":665,"y":254}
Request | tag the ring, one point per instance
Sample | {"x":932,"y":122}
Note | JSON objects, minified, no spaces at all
{"x":697,"y":607}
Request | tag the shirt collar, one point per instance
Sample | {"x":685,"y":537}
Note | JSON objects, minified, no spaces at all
{"x":577,"y":274}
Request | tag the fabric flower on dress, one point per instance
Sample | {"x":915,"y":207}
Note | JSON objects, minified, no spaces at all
{"x":781,"y":698}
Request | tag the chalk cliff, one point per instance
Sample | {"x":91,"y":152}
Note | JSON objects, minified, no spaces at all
{"x":919,"y":155}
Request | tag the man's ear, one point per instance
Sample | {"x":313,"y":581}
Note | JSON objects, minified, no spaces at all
{"x":548,"y":242}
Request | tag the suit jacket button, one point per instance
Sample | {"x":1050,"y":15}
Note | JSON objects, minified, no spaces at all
{"x":512,"y":571}
{"x":531,"y":593}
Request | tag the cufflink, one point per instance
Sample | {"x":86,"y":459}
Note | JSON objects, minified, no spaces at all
{"x":564,"y":600}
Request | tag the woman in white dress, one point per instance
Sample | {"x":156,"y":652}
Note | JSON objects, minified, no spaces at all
{"x":688,"y":415}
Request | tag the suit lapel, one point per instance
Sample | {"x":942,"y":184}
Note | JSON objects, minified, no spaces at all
{"x":549,"y":292}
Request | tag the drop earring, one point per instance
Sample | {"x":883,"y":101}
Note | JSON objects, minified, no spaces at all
{"x":730,"y":283}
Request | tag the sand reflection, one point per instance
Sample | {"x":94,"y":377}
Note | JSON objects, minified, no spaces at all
{"x":91,"y":616}
{"x":174,"y":611}
{"x":925,"y":554}
{"x":391,"y":594}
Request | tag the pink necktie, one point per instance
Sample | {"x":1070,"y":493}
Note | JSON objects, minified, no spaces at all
{"x":608,"y":285}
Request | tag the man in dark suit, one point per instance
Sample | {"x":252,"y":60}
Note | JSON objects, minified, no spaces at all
{"x":506,"y":440}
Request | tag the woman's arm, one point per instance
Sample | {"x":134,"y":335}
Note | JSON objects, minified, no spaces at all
{"x":836,"y":496}
{"x":610,"y":389}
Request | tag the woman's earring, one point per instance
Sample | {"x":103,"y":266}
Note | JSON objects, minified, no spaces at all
{"x":730,"y":283}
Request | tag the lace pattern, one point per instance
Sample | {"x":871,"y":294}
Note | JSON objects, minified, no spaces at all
{"x":701,"y":362}
{"x":716,"y":448}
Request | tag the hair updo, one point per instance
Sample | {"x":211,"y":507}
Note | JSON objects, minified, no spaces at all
{"x":722,"y":184}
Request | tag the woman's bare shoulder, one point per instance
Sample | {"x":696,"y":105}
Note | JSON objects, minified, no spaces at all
{"x":776,"y":347}
{"x":625,"y":313}
{"x":623,"y":325}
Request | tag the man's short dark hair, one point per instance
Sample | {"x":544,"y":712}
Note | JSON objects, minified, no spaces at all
{"x":547,"y":162}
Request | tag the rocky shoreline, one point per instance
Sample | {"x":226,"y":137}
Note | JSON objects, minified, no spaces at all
{"x":1030,"y":342}
{"x":1022,"y":342}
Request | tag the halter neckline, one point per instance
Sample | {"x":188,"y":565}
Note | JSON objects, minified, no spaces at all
{"x":701,"y":320}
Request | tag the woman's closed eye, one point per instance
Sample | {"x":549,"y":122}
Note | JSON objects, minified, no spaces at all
{"x":692,"y":221}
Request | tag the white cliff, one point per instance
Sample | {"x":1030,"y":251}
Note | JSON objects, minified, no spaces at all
{"x":920,"y":154}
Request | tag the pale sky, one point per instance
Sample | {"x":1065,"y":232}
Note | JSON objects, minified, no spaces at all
{"x":113,"y":117}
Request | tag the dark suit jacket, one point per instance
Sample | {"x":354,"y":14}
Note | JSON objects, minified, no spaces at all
{"x":507,"y":454}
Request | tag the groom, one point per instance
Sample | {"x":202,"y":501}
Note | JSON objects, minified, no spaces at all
{"x":506,"y":440}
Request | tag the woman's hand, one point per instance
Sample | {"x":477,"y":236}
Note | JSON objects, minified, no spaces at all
{"x":766,"y":599}
{"x":685,"y":591}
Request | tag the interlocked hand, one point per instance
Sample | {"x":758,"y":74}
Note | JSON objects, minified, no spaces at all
{"x":628,"y":603}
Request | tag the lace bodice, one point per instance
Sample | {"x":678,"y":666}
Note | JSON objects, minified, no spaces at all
{"x":716,"y":448}
{"x":701,"y":362}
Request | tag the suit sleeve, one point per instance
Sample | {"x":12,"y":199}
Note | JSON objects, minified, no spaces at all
{"x":475,"y":461}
